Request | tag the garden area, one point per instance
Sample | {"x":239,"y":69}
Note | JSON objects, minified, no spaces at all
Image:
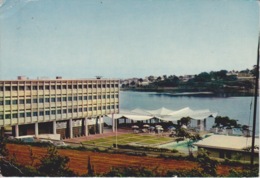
{"x":130,"y":139}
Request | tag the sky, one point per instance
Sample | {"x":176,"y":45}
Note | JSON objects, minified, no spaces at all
{"x":124,"y":39}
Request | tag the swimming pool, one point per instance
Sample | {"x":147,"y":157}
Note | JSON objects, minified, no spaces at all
{"x":181,"y":146}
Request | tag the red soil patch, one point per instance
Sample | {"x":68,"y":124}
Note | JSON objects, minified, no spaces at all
{"x":103,"y":162}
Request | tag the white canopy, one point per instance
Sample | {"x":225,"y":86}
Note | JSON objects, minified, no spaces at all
{"x":164,"y":114}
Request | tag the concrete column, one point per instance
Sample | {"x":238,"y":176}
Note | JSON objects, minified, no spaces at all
{"x":100,"y":125}
{"x":54,"y":128}
{"x":113,"y":123}
{"x":204,"y":124}
{"x":16,"y":130}
{"x":198,"y":124}
{"x":70,"y":128}
{"x":36,"y":129}
{"x":86,"y":127}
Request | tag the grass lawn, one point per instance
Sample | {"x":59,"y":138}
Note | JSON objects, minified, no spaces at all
{"x":130,"y":139}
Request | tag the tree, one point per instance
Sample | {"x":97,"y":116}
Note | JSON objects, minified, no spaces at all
{"x":208,"y":165}
{"x":53,"y":164}
{"x":91,"y":171}
{"x":185,"y":121}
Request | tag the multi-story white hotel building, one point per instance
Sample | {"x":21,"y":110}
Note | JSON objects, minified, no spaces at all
{"x":66,"y":107}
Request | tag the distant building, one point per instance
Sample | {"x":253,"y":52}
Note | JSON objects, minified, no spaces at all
{"x":67,"y":107}
{"x":231,"y":147}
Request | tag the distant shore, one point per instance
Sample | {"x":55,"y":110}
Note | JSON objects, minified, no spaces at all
{"x":191,"y":93}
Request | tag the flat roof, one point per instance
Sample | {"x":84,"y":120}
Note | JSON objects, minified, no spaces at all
{"x":226,"y":142}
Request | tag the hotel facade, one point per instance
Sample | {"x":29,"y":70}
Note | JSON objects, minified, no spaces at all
{"x":70,"y":108}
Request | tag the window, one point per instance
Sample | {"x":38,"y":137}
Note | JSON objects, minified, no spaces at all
{"x":99,"y":108}
{"x":99,"y":96}
{"x":64,"y":87}
{"x":112,"y":85}
{"x":22,"y":114}
{"x":116,"y":85}
{"x":69,"y":110}
{"x":108,"y":107}
{"x":35,"y":100}
{"x":108,"y":96}
{"x":1,"y":102}
{"x":7,"y":102}
{"x":80,"y":109}
{"x":221,"y":154}
{"x":47,"y":112}
{"x":7,"y":88}
{"x":35,"y":87}
{"x":53,"y":87}
{"x":59,"y":99}
{"x":64,"y":98}
{"x":14,"y":88}
{"x":85,"y":86}
{"x":59,"y":111}
{"x":94,"y":97}
{"x":28,"y":101}
{"x":103,"y":86}
{"x":104,"y":107}
{"x":94,"y":86}
{"x":69,"y":98}
{"x":41,"y":100}
{"x":41,"y":113}
{"x":47,"y":87}
{"x":99,"y":86}
{"x":53,"y":99}
{"x":15,"y":115}
{"x":35,"y":114}
{"x":117,"y":106}
{"x":21,"y":87}
{"x":80,"y":86}
{"x":80,"y":97}
{"x":85,"y":109}
{"x":95,"y":108}
{"x":15,"y":101}
{"x":108,"y":85}
{"x":90,"y":109}
{"x":90,"y":97}
{"x":53,"y":112}
{"x":104,"y":96}
{"x":1,"y":88}
{"x":21,"y":101}
{"x":75,"y":110}
{"x":69,"y":86}
{"x":64,"y":111}
{"x":58,"y":87}
{"x":75,"y":86}
{"x":116,"y":96}
{"x":8,"y":116}
{"x":89,"y":86}
{"x":28,"y":114}
{"x":28,"y":87}
{"x":85,"y":97}
{"x":113,"y":107}
{"x":47,"y":100}
{"x":112,"y":96}
{"x":1,"y":116}
{"x":75,"y":98}
{"x":41,"y":87}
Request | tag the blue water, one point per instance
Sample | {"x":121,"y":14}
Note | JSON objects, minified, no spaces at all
{"x":234,"y":107}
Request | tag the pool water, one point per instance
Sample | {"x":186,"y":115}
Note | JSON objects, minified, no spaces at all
{"x":181,"y":146}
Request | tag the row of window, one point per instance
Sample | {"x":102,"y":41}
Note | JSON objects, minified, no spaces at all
{"x":58,"y":99}
{"x":54,"y":112}
{"x":54,"y":87}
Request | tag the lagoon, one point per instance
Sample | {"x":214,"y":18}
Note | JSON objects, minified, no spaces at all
{"x":238,"y":108}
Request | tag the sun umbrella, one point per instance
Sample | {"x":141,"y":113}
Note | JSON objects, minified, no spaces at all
{"x":135,"y":127}
{"x":146,"y":125}
{"x":158,"y":126}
